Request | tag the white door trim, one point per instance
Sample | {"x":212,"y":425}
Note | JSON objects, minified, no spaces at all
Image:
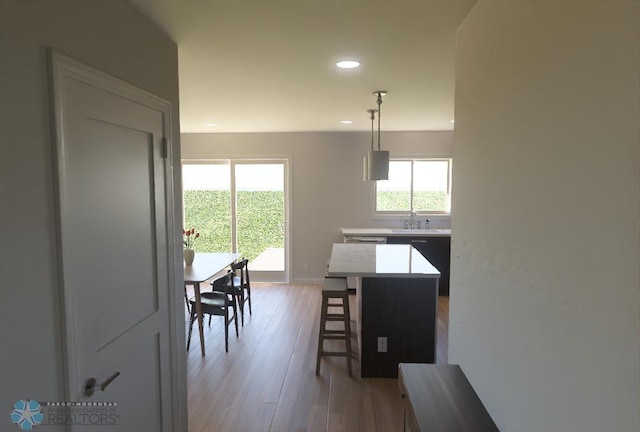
{"x":62,"y":67}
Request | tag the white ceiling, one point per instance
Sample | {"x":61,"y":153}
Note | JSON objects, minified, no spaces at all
{"x":269,"y":65}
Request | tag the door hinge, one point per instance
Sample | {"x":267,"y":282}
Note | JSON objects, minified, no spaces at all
{"x":165,"y":148}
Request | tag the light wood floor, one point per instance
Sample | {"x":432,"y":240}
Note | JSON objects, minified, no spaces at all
{"x":267,"y":381}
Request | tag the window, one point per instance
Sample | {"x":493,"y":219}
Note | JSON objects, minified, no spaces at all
{"x":421,"y":185}
{"x":240,"y":205}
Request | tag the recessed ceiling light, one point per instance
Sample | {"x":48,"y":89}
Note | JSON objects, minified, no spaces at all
{"x":346,"y":121}
{"x":452,"y":121}
{"x":348,"y":64}
{"x":210,"y":124}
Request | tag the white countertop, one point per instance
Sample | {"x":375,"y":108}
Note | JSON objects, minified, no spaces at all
{"x":379,"y":260}
{"x":391,"y":232}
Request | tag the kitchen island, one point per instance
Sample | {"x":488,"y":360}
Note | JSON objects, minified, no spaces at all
{"x":433,"y":243}
{"x":397,"y":299}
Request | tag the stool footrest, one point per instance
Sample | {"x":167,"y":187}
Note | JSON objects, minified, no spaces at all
{"x":335,"y":337}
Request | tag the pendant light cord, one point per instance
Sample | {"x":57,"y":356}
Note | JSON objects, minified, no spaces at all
{"x":373,"y":116}
{"x":379,"y":117}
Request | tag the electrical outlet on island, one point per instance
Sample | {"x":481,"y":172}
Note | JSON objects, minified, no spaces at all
{"x":382,"y":344}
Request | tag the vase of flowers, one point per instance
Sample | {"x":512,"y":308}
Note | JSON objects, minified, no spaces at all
{"x":188,"y":239}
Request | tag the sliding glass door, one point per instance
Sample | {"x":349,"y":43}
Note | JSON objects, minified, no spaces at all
{"x":242,"y":206}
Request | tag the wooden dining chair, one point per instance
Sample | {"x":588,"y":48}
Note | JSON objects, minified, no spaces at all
{"x":219,"y":302}
{"x":242,"y":284}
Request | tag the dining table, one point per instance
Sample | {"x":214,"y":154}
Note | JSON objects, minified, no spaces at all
{"x":205,"y":266}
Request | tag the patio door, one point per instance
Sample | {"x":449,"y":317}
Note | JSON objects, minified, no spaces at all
{"x":242,"y":206}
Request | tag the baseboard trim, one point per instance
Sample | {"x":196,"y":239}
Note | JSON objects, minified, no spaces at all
{"x":308,"y":281}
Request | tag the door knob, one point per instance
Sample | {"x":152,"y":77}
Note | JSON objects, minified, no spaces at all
{"x":91,"y":385}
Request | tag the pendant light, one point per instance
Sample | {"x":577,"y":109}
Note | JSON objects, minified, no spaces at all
{"x":377,"y":160}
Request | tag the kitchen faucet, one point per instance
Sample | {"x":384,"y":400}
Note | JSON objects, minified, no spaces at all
{"x":413,"y":219}
{"x":414,"y":222}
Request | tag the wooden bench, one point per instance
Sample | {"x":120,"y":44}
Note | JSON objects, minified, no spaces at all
{"x":439,"y":398}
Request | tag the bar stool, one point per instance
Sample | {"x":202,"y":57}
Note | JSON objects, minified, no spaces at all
{"x":334,"y":288}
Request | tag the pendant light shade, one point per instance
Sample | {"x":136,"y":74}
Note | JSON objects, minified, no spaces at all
{"x":376,"y":163}
{"x":365,"y":168}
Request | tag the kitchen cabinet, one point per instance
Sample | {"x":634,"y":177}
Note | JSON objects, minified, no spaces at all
{"x":435,"y":249}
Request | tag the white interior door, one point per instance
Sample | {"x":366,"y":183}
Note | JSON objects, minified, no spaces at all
{"x":114,"y":239}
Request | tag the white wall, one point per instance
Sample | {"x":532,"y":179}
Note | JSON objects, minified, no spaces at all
{"x":545,"y":283}
{"x":110,"y":36}
{"x":328,"y":192}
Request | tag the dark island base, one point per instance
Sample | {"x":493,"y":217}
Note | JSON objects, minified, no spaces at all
{"x":404,"y":310}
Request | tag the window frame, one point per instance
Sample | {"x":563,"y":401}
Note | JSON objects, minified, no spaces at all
{"x":391,"y":213}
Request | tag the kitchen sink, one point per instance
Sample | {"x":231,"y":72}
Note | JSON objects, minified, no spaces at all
{"x":421,"y":231}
